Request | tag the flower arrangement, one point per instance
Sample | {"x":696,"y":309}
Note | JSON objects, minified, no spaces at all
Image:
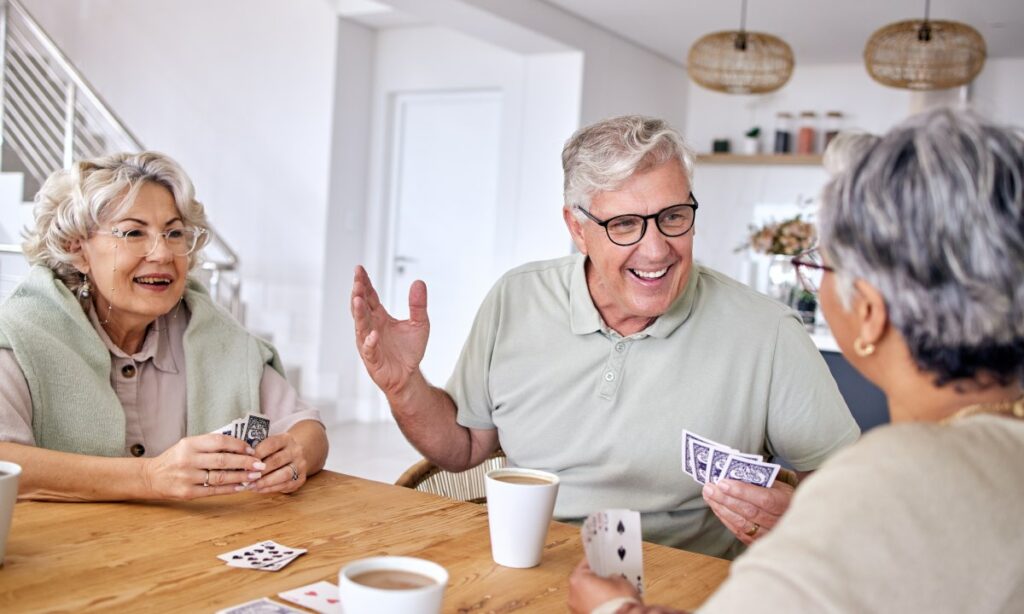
{"x":786,"y":238}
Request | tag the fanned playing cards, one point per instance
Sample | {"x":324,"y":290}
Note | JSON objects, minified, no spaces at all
{"x":708,"y":461}
{"x":266,"y":556}
{"x":611,"y":541}
{"x":253,"y":429}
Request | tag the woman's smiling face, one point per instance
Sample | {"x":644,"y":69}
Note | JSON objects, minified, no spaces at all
{"x":132,"y":291}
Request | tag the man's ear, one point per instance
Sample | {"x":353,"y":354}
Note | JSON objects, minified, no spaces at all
{"x":80,"y":260}
{"x":872,"y":313}
{"x":575,"y":229}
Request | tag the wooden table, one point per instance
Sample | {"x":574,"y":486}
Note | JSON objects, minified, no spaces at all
{"x":163,"y":556}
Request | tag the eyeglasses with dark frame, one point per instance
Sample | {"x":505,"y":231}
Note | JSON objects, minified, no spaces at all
{"x":629,"y":229}
{"x":810,"y":268}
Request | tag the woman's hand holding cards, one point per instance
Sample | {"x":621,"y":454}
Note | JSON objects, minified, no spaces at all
{"x":201,"y":466}
{"x":286,"y":464}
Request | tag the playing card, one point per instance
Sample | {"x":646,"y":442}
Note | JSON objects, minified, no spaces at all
{"x":593,"y":534}
{"x":700,"y":456}
{"x":750,"y":471}
{"x":321,"y":597}
{"x":257,"y":428}
{"x":227,"y":429}
{"x":266,"y":556}
{"x":622,"y":551}
{"x":259,"y":606}
{"x":719,"y":456}
{"x":689,"y":436}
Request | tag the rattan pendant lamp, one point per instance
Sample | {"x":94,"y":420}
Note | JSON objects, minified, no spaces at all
{"x":925,"y":55}
{"x":740,"y":62}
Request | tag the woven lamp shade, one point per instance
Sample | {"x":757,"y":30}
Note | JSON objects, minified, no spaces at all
{"x":948,"y":54}
{"x":738,"y":62}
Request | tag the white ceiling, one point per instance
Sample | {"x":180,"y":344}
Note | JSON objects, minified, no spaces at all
{"x":819,"y":31}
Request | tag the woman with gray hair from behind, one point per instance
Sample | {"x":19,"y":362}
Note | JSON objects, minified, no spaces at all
{"x":922,"y":282}
{"x":115,"y":367}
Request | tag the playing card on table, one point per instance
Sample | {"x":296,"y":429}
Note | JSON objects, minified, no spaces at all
{"x":256,"y":429}
{"x":750,"y":471}
{"x":615,"y":549}
{"x":259,"y":606}
{"x":320,"y":597}
{"x":266,"y":556}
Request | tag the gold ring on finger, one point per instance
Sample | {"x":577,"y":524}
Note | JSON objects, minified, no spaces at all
{"x":752,"y":531}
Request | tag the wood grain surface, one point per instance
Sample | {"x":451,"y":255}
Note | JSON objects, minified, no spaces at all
{"x":85,"y":557}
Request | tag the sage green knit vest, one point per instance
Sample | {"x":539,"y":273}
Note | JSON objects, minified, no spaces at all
{"x":67,"y":366}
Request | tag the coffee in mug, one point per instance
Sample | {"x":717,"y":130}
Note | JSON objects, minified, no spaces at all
{"x":392,"y":584}
{"x":520,"y":503}
{"x":392,"y":579}
{"x":512,"y":478}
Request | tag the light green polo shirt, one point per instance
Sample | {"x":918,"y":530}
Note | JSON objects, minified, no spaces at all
{"x":606,"y":412}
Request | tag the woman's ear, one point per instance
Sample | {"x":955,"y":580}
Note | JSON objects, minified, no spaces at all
{"x":80,"y":259}
{"x":575,"y":229}
{"x":872,"y":313}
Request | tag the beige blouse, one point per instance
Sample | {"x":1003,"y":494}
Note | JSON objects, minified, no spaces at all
{"x":151,"y":387}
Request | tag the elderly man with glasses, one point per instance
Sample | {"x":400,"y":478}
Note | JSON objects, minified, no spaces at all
{"x":590,"y":366}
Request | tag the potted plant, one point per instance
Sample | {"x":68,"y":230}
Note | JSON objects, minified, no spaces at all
{"x":780,"y":241}
{"x":752,"y":141}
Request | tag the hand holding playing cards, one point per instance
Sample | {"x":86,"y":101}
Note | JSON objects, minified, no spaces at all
{"x":285,"y":461}
{"x":587,"y":590}
{"x":201,"y":466}
{"x":748,"y":511}
{"x":391,"y":349}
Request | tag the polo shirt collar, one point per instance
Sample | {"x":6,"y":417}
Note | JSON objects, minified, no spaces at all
{"x":585,"y":319}
{"x":155,"y":346}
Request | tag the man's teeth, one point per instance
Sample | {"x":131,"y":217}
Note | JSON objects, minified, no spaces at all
{"x":650,"y":274}
{"x":153,"y":280}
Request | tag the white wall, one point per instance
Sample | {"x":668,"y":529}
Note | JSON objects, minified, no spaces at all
{"x":998,"y":91}
{"x":541,"y":97}
{"x":240,"y":93}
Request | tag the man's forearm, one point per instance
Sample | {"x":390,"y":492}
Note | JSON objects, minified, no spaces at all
{"x":426,"y":415}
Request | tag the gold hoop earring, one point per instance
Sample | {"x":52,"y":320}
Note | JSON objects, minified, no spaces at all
{"x":863,"y":348}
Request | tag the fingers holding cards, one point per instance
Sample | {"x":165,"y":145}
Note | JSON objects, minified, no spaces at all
{"x":612,"y":544}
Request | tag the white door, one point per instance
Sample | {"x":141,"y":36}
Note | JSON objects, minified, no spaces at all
{"x":443,"y":194}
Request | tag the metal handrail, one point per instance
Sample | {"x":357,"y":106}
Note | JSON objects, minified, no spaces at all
{"x":50,"y":114}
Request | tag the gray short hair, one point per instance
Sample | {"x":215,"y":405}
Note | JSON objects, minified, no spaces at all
{"x":845,"y":148}
{"x":602,"y":156}
{"x":73,"y":202}
{"x":933,"y":216}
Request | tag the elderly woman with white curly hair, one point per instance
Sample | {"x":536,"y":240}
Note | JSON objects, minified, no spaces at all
{"x":115,"y":366}
{"x":922,"y":282}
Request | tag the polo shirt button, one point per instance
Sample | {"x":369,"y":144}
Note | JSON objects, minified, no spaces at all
{"x":620,"y":346}
{"x":609,"y":376}
{"x":128,"y":371}
{"x":138,"y":450}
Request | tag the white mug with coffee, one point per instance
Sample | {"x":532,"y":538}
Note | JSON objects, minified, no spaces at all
{"x":519,"y":507}
{"x":9,"y":473}
{"x":392,"y":584}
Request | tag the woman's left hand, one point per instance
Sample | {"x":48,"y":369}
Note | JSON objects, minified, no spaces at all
{"x":286,"y":464}
{"x":587,"y":590}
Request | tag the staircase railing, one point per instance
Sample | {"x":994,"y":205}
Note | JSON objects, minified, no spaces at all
{"x":50,"y":117}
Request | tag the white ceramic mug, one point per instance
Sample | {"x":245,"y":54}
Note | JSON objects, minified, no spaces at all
{"x":519,"y":515}
{"x":358,"y":598}
{"x":9,"y":473}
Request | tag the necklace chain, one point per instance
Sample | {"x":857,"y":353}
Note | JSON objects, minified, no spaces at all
{"x":1014,"y":408}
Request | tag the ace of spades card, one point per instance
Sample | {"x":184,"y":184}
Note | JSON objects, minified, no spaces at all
{"x":615,"y":546}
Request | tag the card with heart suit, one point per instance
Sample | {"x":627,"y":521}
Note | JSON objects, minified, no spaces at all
{"x":320,"y":597}
{"x":612,"y":543}
{"x":260,"y":606}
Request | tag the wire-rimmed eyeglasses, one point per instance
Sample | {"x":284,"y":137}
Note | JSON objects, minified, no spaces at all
{"x":624,"y":230}
{"x":810,"y":268}
{"x":141,"y":243}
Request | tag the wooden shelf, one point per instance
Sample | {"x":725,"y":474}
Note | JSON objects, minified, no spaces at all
{"x":771,"y":159}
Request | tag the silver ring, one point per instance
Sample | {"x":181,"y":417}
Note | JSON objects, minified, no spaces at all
{"x":295,"y":474}
{"x":206,"y":480}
